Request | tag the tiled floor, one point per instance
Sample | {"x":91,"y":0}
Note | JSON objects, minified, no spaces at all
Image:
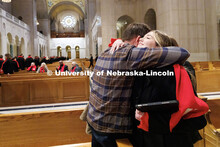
{"x":44,"y":107}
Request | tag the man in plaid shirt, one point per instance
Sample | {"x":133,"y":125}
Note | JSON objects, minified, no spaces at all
{"x":110,"y":114}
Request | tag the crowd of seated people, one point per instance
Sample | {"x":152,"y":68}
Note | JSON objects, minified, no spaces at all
{"x":62,"y":68}
{"x":9,"y":65}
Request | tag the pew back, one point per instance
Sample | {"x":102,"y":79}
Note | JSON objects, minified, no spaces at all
{"x":44,"y":90}
{"x":43,"y":128}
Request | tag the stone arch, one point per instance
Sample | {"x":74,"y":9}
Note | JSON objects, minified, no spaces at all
{"x":68,"y":51}
{"x":17,"y":46}
{"x":59,"y":51}
{"x":77,"y":48}
{"x":60,"y":7}
{"x":9,"y":44}
{"x":64,"y":5}
{"x":40,"y":51}
{"x":122,"y":23}
{"x":28,"y":51}
{"x":22,"y":46}
{"x":150,"y":19}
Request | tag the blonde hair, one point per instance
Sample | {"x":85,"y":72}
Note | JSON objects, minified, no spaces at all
{"x":161,"y":38}
{"x":43,"y":64}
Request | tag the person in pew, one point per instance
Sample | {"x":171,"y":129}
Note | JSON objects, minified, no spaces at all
{"x":7,"y":65}
{"x":28,"y":61}
{"x":43,"y":60}
{"x":43,"y":68}
{"x":109,"y":112}
{"x":33,"y":67}
{"x":15,"y":64}
{"x":21,"y":61}
{"x":51,"y":60}
{"x":62,"y":67}
{"x":36,"y":61}
{"x":1,"y":61}
{"x":155,"y":127}
{"x":75,"y":67}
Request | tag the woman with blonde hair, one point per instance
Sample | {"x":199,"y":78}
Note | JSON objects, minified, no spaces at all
{"x":43,"y":68}
{"x":155,"y":128}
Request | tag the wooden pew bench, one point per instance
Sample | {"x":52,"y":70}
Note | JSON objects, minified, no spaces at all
{"x":16,"y":92}
{"x":45,"y":128}
{"x":208,"y":81}
{"x":120,"y":143}
{"x":212,"y":130}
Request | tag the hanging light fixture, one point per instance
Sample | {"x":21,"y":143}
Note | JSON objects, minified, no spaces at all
{"x":6,"y":1}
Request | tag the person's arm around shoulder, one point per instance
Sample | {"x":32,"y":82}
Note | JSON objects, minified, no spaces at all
{"x":140,"y":58}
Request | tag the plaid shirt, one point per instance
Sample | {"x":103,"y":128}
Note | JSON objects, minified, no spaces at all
{"x":110,"y":98}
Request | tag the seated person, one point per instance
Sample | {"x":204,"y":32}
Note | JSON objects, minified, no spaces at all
{"x":75,"y":67}
{"x":32,"y":67}
{"x":15,"y":64}
{"x":62,"y":67}
{"x":28,"y":61}
{"x":37,"y":61}
{"x":7,"y":65}
{"x":43,"y":68}
{"x":1,"y":61}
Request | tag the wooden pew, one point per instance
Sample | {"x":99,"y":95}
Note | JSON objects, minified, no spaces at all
{"x":18,"y":92}
{"x":46,"y":128}
{"x":208,"y":81}
{"x":216,"y":64}
{"x":212,"y":131}
{"x":120,"y":143}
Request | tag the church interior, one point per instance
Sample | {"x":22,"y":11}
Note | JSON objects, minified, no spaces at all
{"x":43,"y":109}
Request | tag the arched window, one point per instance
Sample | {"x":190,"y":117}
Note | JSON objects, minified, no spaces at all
{"x":122,"y":23}
{"x":150,"y":19}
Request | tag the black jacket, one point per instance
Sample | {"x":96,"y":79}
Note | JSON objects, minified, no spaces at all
{"x":21,"y":63}
{"x":37,"y":61}
{"x":28,"y":62}
{"x":162,"y":88}
{"x":8,"y":67}
{"x":15,"y":66}
{"x":1,"y":61}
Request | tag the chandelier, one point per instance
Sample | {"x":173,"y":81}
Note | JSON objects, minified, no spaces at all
{"x":6,"y":1}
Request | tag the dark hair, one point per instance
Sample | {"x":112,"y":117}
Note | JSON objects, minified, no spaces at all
{"x":7,"y":56}
{"x":135,"y":29}
{"x":1,"y":56}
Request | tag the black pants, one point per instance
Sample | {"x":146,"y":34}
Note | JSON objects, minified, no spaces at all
{"x":145,"y":139}
{"x":91,"y":64}
{"x":100,"y":139}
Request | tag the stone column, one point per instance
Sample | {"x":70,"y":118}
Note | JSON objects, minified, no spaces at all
{"x":29,"y":15}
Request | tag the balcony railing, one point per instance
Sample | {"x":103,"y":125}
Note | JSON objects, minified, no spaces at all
{"x":67,"y":34}
{"x":13,"y":19}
